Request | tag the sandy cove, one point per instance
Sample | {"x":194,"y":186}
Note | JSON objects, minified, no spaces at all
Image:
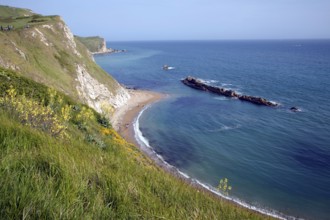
{"x":124,"y":116}
{"x":122,"y":121}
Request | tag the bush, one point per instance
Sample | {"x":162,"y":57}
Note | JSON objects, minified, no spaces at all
{"x":36,"y":114}
{"x":102,"y":120}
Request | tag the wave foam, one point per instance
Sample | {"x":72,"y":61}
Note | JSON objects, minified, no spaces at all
{"x":226,"y":84}
{"x":144,"y":142}
{"x":183,"y":174}
{"x":275,"y":103}
{"x":226,"y":128}
{"x":222,"y":98}
{"x":273,"y":214}
{"x":137,"y":132}
{"x":209,"y":81}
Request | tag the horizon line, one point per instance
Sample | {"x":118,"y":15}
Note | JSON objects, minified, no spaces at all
{"x":261,"y":39}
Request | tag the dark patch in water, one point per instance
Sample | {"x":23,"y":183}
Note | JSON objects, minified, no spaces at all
{"x":192,"y":103}
{"x":312,"y":157}
{"x":184,"y":101}
{"x":184,"y":153}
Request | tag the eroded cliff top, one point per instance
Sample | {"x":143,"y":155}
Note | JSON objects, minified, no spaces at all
{"x":44,"y":49}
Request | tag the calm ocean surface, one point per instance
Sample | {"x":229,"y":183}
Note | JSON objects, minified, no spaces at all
{"x":274,"y":159}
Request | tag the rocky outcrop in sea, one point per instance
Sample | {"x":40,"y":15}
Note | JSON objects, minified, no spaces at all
{"x":200,"y":85}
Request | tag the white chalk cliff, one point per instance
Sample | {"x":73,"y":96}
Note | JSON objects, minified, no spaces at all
{"x":96,"y":94}
{"x":50,"y":54}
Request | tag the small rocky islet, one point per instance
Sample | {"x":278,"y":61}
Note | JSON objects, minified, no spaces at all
{"x":200,"y":85}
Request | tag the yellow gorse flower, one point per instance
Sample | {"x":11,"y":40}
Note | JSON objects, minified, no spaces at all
{"x":224,"y":186}
{"x":33,"y":113}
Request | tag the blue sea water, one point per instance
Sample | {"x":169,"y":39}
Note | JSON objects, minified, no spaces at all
{"x":274,"y":159}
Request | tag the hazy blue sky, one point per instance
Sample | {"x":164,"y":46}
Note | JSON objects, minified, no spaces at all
{"x":189,"y":19}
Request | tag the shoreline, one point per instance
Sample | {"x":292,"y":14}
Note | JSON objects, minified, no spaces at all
{"x":124,"y":116}
{"x":108,"y":51}
{"x":124,"y":120}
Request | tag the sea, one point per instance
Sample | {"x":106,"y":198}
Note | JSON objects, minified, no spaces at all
{"x":277,"y":161}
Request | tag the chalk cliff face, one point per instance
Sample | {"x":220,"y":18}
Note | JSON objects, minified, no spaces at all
{"x":96,"y":94}
{"x":47,"y":51}
{"x":96,"y":45}
{"x":103,"y":48}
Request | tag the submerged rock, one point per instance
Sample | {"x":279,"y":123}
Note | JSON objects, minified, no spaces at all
{"x":295,"y":109}
{"x":200,"y":85}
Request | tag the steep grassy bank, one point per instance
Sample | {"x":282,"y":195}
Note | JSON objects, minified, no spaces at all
{"x":7,"y":12}
{"x":88,"y":173}
{"x":93,"y":44}
{"x":59,"y":158}
{"x":44,"y":49}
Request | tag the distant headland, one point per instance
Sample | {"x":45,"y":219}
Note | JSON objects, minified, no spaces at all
{"x":97,"y":45}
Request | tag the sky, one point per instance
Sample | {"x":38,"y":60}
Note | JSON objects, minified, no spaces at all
{"x":125,"y":20}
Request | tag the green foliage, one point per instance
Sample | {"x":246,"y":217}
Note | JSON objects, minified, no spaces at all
{"x":38,"y":18}
{"x":22,"y":85}
{"x":19,"y":17}
{"x":48,"y":61}
{"x":45,"y":177}
{"x":64,"y":60}
{"x":6,"y":11}
{"x":93,"y":44}
{"x":84,"y":115}
{"x":224,"y":186}
{"x":103,"y":121}
{"x":36,"y":114}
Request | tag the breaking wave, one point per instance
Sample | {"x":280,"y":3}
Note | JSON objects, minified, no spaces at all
{"x":147,"y":148}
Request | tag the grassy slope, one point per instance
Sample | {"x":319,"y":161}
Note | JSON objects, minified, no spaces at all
{"x":6,"y":11}
{"x":93,"y":44}
{"x":19,"y":17}
{"x":77,"y":178}
{"x":53,"y":65}
{"x":92,"y":174}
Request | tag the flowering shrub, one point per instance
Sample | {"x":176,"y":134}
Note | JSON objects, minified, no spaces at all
{"x":114,"y":135}
{"x":36,"y":114}
{"x":224,"y":187}
{"x":84,"y":115}
{"x":107,"y":109}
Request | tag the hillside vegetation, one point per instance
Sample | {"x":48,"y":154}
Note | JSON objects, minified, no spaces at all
{"x":85,"y":171}
{"x":44,"y":49}
{"x":10,"y":12}
{"x":93,"y":44}
{"x":44,"y":53}
{"x":60,"y":158}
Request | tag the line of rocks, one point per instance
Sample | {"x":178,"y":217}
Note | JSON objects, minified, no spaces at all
{"x":200,"y":85}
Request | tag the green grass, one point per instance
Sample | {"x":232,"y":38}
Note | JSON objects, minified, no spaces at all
{"x":91,"y":172}
{"x":93,"y":44}
{"x":20,"y":18}
{"x":43,"y":177}
{"x":54,"y":64}
{"x":6,"y":11}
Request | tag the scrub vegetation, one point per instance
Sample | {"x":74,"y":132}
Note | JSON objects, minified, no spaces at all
{"x":94,"y":44}
{"x":40,"y":48}
{"x":84,"y":169}
{"x":60,"y":159}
